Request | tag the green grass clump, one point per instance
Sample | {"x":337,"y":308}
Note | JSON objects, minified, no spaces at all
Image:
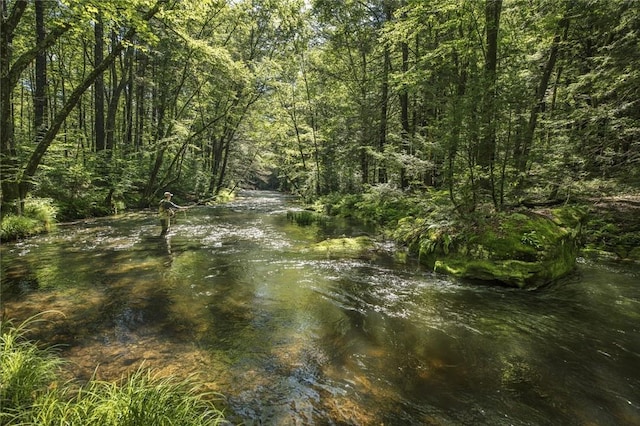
{"x":38,"y":216}
{"x":305,"y":217}
{"x":25,"y":369}
{"x":140,"y":399}
{"x":31,"y":393}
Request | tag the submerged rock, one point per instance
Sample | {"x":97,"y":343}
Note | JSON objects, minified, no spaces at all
{"x":523,"y":249}
{"x":345,"y":247}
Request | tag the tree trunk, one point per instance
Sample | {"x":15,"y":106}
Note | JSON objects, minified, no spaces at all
{"x":112,"y":107}
{"x":141,"y":87}
{"x":382,"y":136}
{"x":404,"y":115}
{"x":98,"y":86}
{"x":521,"y":156}
{"x":487,"y":144}
{"x":40,"y":95}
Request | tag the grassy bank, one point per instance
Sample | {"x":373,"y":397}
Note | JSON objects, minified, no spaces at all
{"x":33,"y":393}
{"x":38,"y":216}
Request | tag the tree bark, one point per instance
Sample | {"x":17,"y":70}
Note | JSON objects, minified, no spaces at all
{"x":404,"y":115}
{"x":40,"y":95}
{"x":98,"y":86}
{"x":9,"y":76}
{"x":112,"y":106}
{"x":487,"y":144}
{"x":521,"y":155}
{"x":382,"y":136}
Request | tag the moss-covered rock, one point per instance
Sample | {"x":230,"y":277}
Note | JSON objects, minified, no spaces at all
{"x":523,"y":249}
{"x":344,"y":247}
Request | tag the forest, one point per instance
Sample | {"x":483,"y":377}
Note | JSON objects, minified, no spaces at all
{"x":497,"y":102}
{"x":495,"y":139}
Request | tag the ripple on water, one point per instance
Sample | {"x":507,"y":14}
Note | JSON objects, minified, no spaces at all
{"x":292,"y":338}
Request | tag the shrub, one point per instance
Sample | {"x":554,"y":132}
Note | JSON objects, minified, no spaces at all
{"x":42,"y":210}
{"x":14,"y":227}
{"x":38,"y":216}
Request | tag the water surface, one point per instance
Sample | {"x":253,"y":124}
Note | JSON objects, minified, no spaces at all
{"x":234,"y":295}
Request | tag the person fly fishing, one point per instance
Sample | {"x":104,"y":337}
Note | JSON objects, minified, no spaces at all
{"x":166,"y":211}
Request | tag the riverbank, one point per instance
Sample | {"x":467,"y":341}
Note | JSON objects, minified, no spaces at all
{"x":613,"y":228}
{"x":522,"y":246}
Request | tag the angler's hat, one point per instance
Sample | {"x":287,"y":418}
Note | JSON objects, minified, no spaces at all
{"x":167,"y":193}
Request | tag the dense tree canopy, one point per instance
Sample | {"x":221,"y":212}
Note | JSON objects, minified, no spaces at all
{"x":110,"y":102}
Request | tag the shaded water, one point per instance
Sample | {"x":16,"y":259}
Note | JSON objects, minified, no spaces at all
{"x":234,"y":295}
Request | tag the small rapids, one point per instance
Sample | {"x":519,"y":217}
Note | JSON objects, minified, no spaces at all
{"x":234,"y":295}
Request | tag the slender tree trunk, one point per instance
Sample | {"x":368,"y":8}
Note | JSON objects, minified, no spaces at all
{"x":314,"y":130}
{"x":487,"y":145}
{"x":127,"y":129}
{"x":462,"y":65}
{"x":9,"y":20}
{"x":140,"y":90}
{"x":521,"y":156}
{"x":40,"y":95}
{"x":404,"y":115}
{"x":112,"y":108}
{"x":384,"y":106}
{"x":98,"y":86}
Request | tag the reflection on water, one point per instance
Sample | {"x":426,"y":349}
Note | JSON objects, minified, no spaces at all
{"x":233,"y":295}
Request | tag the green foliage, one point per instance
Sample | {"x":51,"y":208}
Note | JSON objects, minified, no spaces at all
{"x":25,"y":369}
{"x":30,"y":393}
{"x":304,"y":217}
{"x":327,"y":96}
{"x":225,"y":195}
{"x":613,"y":230}
{"x":38,"y":216}
{"x":14,"y":227}
{"x":385,"y":205}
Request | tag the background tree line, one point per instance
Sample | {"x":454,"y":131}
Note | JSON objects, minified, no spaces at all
{"x":107,"y":103}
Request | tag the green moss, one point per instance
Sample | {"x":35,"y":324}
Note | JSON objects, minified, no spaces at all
{"x":520,"y":249}
{"x":344,"y":246}
{"x":511,"y":272}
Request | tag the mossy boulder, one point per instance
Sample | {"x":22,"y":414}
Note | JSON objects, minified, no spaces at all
{"x":345,"y":247}
{"x":523,"y":249}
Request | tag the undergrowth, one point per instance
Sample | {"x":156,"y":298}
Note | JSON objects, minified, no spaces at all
{"x":38,"y":216}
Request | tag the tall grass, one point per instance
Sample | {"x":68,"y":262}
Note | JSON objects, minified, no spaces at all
{"x":32,"y":394}
{"x":38,"y":216}
{"x":25,"y":369}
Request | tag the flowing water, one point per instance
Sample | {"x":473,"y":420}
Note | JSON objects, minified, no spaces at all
{"x":235,"y":296}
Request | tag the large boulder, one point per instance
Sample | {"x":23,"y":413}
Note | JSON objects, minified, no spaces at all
{"x":524,"y":249}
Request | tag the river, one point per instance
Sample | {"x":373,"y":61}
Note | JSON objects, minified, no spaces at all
{"x":234,"y":296}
